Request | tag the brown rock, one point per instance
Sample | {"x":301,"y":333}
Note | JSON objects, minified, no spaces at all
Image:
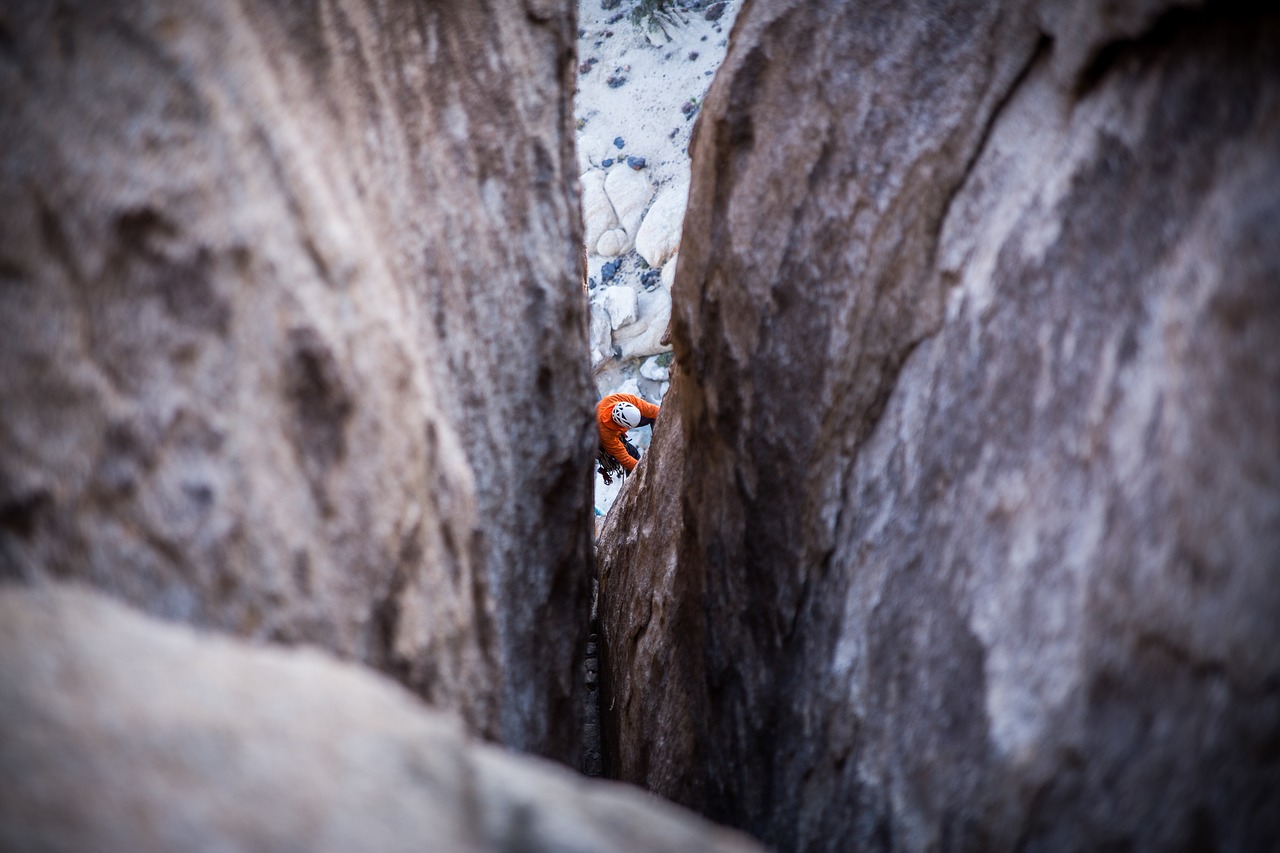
{"x":122,"y":733}
{"x":281,"y":282}
{"x":960,"y":529}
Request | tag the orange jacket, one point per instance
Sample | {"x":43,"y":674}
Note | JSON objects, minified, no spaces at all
{"x":611,"y":434}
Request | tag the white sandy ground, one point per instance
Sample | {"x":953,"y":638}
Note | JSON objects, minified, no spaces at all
{"x":664,"y":69}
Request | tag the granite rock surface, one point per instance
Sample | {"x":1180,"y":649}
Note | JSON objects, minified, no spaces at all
{"x":959,"y":528}
{"x":276,"y":280}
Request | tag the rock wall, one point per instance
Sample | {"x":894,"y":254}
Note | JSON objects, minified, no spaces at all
{"x":959,"y":530}
{"x":122,"y":733}
{"x":292,"y":332}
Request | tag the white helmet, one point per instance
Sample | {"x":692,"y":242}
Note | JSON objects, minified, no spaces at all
{"x":626,"y":415}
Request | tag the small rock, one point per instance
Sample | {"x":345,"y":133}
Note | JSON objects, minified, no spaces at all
{"x":607,"y":162}
{"x":714,"y":11}
{"x":609,"y":270}
{"x":615,"y":18}
{"x":615,"y":81}
{"x":693,"y":54}
{"x":654,"y":370}
{"x":618,"y":142}
{"x":614,"y":242}
{"x":636,"y":163}
{"x":650,"y":279}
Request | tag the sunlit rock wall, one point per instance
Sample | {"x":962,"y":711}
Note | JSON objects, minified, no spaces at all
{"x":292,"y":333}
{"x":961,"y":525}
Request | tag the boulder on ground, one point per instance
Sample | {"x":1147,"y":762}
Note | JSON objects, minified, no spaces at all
{"x":629,"y":192}
{"x":659,"y":236}
{"x":613,"y":242}
{"x":643,"y":336}
{"x":598,"y":215}
{"x":621,"y":303}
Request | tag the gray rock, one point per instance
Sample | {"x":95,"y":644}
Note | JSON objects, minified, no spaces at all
{"x":251,"y":281}
{"x":959,"y":529}
{"x":123,"y":733}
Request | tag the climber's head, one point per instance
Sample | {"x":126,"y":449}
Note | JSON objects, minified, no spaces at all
{"x":626,"y":415}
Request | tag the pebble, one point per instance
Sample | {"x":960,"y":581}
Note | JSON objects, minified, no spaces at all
{"x":615,"y":81}
{"x":619,"y":142}
{"x":609,"y":270}
{"x":693,"y":54}
{"x":607,"y":162}
{"x":636,"y":163}
{"x":649,"y":279}
{"x":714,"y":11}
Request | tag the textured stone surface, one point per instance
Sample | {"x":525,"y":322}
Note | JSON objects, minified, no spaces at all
{"x":597,"y":213}
{"x":123,"y":733}
{"x":620,"y":304}
{"x":644,"y":336}
{"x":276,"y":281}
{"x":659,"y":236}
{"x":960,"y":527}
{"x":629,"y":193}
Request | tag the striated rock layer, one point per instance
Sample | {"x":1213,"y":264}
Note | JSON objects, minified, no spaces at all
{"x":279,"y":282}
{"x":960,"y":527}
{"x":122,"y":733}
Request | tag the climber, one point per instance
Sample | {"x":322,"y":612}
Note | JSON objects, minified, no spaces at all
{"x":616,"y":414}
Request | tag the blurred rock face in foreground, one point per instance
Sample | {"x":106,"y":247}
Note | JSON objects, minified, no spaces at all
{"x":122,"y":733}
{"x":960,"y":529}
{"x":279,"y":284}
